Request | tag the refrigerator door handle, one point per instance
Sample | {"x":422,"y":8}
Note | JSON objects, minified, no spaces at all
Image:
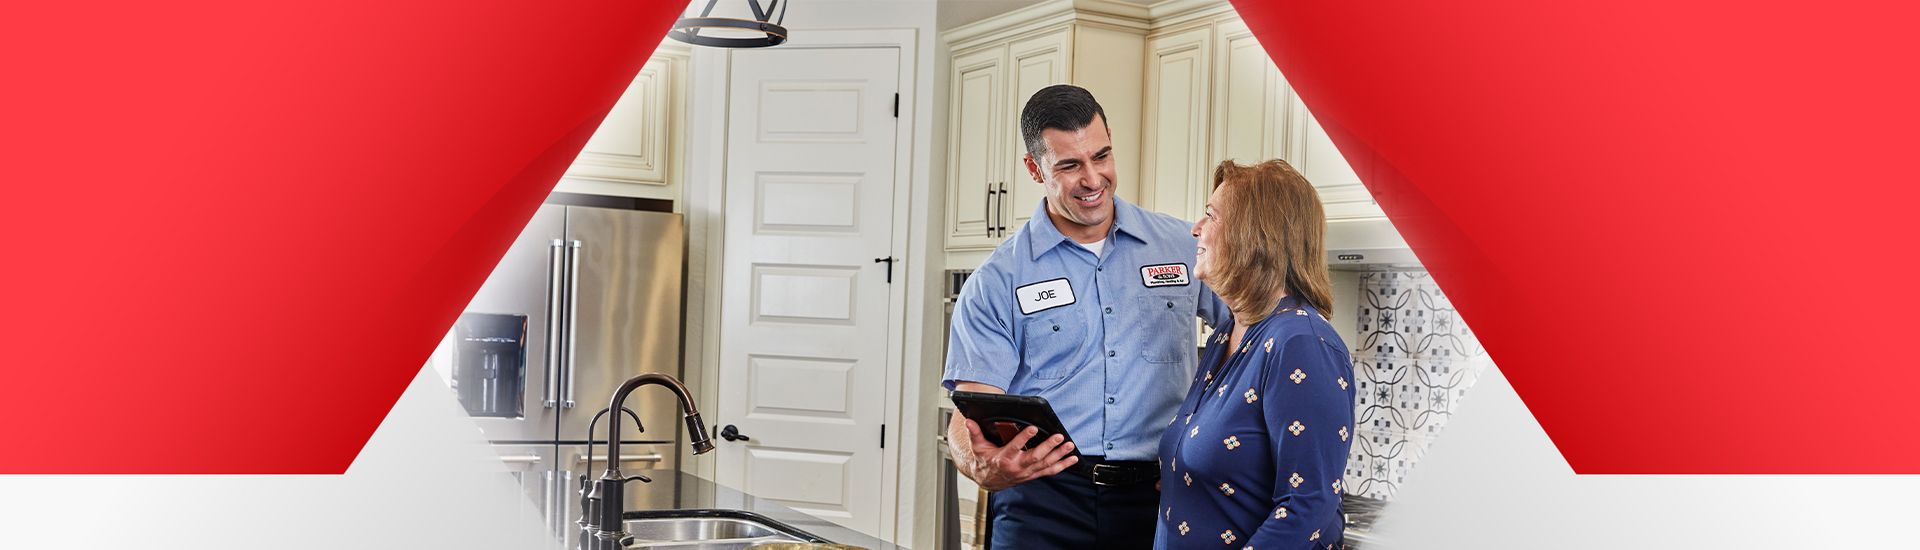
{"x":552,"y":390}
{"x":655,"y":457}
{"x":565,"y":496}
{"x":546,"y":495}
{"x":573,"y":312}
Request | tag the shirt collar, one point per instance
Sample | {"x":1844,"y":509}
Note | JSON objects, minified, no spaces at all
{"x":1042,"y":236}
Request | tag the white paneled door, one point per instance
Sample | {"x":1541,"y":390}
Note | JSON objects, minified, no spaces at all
{"x":807,"y":314}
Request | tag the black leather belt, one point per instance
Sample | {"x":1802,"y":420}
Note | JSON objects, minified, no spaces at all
{"x":1112,"y":473}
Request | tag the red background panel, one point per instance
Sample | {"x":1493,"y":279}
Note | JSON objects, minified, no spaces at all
{"x":235,"y":230}
{"x":1683,"y":230}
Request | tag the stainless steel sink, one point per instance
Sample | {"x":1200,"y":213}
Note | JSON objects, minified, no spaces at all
{"x":709,"y":530}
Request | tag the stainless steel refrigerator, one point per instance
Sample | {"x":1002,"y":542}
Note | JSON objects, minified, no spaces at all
{"x":586,"y":298}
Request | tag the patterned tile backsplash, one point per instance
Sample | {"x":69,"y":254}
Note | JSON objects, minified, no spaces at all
{"x":1413,"y":360}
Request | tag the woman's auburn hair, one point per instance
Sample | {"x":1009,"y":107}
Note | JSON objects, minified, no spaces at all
{"x":1272,"y":235}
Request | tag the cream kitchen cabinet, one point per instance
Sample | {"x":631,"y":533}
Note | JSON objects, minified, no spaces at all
{"x":1213,"y":94}
{"x":636,"y":152}
{"x":995,"y":66}
{"x":976,"y":148}
{"x":1176,"y":160}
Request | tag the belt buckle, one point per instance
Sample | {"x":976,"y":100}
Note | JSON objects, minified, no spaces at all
{"x":1114,"y":470}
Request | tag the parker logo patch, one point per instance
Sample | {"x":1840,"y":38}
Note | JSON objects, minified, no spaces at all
{"x":1044,"y":295}
{"x":1164,"y":275}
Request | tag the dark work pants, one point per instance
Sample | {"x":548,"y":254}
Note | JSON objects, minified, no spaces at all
{"x":1067,"y":511}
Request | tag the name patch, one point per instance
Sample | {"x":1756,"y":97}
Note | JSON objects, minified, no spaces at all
{"x":1044,"y":295}
{"x":1164,"y":275}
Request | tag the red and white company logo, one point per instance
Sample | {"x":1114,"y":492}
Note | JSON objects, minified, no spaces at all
{"x":1164,"y":275}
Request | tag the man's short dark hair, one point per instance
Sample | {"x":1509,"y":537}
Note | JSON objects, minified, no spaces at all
{"x":1063,"y":107}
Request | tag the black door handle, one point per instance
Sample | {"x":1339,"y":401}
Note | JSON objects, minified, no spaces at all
{"x":889,"y":261}
{"x":731,"y":433}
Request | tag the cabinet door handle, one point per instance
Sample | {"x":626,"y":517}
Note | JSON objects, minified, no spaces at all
{"x":554,"y":254}
{"x":1003,"y":208}
{"x":573,"y":314}
{"x":989,"y":208}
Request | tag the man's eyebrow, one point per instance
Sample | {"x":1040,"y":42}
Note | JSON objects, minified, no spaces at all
{"x":1103,"y":150}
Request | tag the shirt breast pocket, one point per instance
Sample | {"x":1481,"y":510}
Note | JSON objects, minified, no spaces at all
{"x":1051,"y":343}
{"x":1169,"y":326}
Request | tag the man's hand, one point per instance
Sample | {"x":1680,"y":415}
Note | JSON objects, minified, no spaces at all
{"x":996,"y":468}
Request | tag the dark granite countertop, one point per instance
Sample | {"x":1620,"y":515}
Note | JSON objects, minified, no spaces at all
{"x":697,"y":493}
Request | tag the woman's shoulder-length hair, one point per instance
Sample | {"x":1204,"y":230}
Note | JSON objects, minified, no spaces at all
{"x":1273,"y":231}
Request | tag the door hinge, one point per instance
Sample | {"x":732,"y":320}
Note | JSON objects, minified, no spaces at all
{"x":896,"y":105}
{"x":883,"y":436}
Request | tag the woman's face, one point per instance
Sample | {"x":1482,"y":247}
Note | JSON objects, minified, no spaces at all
{"x":1207,"y":230}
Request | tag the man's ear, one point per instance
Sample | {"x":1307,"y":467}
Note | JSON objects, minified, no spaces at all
{"x":1033,"y":168}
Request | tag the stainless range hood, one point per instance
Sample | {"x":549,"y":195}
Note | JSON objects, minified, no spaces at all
{"x":1367,"y":244}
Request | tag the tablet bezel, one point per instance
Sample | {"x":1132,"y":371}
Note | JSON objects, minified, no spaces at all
{"x":1023,"y":410}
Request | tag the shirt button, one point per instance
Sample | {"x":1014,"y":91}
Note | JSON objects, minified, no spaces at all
{"x":1056,"y":328}
{"x":1110,"y":353}
{"x":1109,"y":446}
{"x":1169,"y":305}
{"x":1109,"y":311}
{"x":1109,"y":400}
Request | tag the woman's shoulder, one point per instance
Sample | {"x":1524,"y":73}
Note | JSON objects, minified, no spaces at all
{"x":1301,"y":327}
{"x":1297,"y":321}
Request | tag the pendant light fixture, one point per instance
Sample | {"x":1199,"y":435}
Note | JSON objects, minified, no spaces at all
{"x":743,"y":24}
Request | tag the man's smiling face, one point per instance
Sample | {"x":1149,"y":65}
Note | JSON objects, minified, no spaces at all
{"x":1078,"y":172}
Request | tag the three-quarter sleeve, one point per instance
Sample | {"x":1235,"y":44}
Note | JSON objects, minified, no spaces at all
{"x":1308,"y":410}
{"x":981,"y":345}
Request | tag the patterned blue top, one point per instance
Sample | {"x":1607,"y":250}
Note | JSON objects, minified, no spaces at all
{"x":1255,"y":455}
{"x":1105,"y":339}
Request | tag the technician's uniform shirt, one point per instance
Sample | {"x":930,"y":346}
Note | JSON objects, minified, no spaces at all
{"x":1108,"y":340}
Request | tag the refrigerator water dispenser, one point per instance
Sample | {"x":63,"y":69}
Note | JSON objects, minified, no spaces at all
{"x":490,"y":363}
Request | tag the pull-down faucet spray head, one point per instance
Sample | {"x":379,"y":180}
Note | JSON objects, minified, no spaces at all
{"x":604,"y":524}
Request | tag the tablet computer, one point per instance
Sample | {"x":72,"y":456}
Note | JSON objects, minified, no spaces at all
{"x":1001,"y":417}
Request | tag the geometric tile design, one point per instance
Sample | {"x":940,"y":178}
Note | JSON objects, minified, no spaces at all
{"x":1413,"y":362}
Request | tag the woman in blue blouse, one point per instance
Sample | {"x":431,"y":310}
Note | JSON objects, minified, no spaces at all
{"x":1254,"y":457}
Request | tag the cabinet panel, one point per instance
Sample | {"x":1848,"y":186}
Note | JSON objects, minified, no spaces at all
{"x":1314,"y":154}
{"x":1248,"y":98}
{"x":975,"y":158}
{"x":1176,"y":164}
{"x":633,"y":152}
{"x":1036,"y":63}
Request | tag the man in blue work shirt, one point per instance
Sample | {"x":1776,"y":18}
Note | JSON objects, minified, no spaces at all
{"x":1090,"y":305}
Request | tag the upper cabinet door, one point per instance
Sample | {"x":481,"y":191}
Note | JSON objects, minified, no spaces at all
{"x":1250,"y":100}
{"x":1035,"y":62}
{"x":976,"y":158}
{"x":1314,"y":155}
{"x":634,"y":153}
{"x":1174,"y":143}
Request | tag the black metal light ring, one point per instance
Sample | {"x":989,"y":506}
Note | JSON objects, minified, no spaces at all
{"x":776,"y":34}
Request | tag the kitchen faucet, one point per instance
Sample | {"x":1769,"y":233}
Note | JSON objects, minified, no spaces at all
{"x":602,"y":527}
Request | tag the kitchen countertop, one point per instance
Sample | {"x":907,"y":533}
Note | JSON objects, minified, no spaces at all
{"x":697,"y":493}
